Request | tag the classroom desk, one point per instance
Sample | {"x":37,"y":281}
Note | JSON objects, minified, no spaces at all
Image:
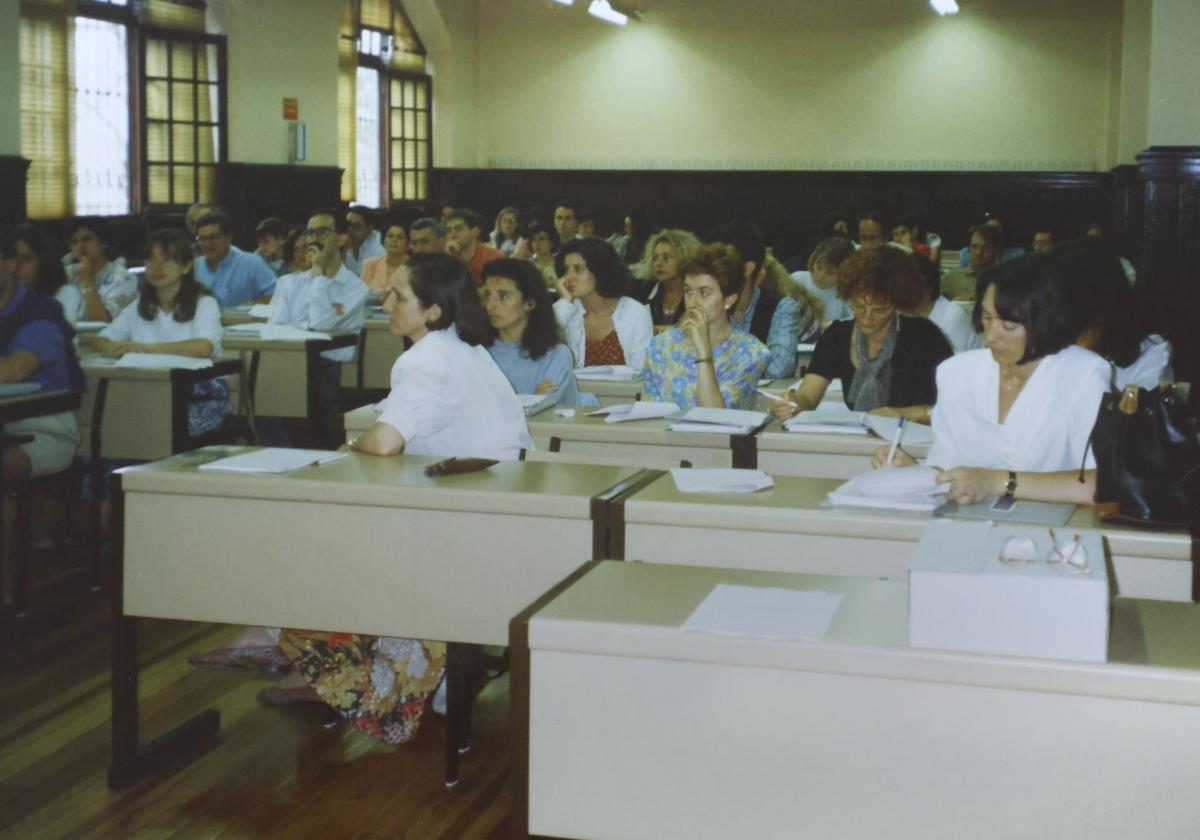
{"x":584,"y":435}
{"x":381,"y":348}
{"x":786,"y":529}
{"x":364,"y":544}
{"x":820,"y":455}
{"x":611,"y":393}
{"x":139,"y":413}
{"x":640,"y":729}
{"x":282,"y":378}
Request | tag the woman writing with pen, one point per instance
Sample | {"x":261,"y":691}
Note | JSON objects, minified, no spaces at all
{"x":1014,"y":419}
{"x":885,"y":360}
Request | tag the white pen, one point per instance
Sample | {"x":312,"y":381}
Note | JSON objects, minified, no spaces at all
{"x":769,"y":395}
{"x":896,"y":440}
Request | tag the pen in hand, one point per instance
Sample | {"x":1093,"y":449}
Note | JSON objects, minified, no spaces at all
{"x":895,"y":441}
{"x":771,"y":396}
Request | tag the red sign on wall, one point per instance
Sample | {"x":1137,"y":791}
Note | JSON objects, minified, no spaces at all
{"x":291,"y":109}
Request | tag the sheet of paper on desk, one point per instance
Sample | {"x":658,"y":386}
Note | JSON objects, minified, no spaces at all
{"x":535,"y":403}
{"x":162,"y":360}
{"x":720,"y":480}
{"x":607,"y":373}
{"x":765,"y":612}
{"x":908,"y":489}
{"x":273,"y":460}
{"x":835,"y":421}
{"x":282,"y":332}
{"x":260,"y":310}
{"x":17,"y":389}
{"x":730,"y":421}
{"x":885,"y":427}
{"x":635,"y":411}
{"x":245,"y":329}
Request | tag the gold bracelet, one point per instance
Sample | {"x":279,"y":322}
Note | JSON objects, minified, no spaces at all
{"x":702,"y":361}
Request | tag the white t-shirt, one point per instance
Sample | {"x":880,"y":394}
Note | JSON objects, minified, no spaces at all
{"x":1150,"y":368}
{"x":116,"y":287}
{"x":163,"y":328}
{"x":1047,"y":428}
{"x":451,"y":399}
{"x":71,"y":300}
{"x":953,"y":321}
{"x":836,"y":309}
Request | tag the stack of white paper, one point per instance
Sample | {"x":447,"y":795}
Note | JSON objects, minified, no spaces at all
{"x":635,"y":411}
{"x":727,"y":421}
{"x":162,"y":360}
{"x":273,"y":460}
{"x":720,"y":480}
{"x":910,"y":489}
{"x":826,"y":421}
{"x":607,"y":373}
{"x":260,"y":310}
{"x":534,"y":403}
{"x":281,"y":332}
{"x":245,"y":329}
{"x":765,"y":612}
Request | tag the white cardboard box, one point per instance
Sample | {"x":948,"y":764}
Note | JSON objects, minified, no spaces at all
{"x":963,"y":597}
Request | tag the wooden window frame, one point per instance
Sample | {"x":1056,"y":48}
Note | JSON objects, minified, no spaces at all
{"x":386,"y":127}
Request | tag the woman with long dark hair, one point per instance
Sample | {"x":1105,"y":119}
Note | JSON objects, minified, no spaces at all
{"x":174,"y":315}
{"x":527,"y":346}
{"x":37,"y":266}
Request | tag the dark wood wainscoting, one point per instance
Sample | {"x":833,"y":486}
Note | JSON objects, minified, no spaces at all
{"x":250,"y":192}
{"x":1170,"y":181}
{"x":789,"y":206}
{"x":12,"y":196}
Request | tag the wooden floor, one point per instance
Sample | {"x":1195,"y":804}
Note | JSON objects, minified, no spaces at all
{"x":269,"y":773}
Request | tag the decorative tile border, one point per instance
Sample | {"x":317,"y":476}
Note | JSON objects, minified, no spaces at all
{"x":792,"y":165}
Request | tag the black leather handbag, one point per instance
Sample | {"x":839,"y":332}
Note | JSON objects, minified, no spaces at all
{"x":1148,"y":462}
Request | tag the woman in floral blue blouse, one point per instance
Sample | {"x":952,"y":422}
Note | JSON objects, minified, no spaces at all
{"x":703,"y":360}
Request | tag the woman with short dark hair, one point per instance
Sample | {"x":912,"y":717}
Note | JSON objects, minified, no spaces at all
{"x":704,"y":360}
{"x":1015,"y":418}
{"x":603,"y":326}
{"x":527,"y":346}
{"x":885,"y":360}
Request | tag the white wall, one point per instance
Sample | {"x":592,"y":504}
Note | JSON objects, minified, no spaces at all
{"x":277,"y":49}
{"x":1174,"y":100}
{"x":842,"y":84}
{"x":10,"y":78}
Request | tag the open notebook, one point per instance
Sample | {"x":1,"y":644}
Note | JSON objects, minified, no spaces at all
{"x":907,"y":489}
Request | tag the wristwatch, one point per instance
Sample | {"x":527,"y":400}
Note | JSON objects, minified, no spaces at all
{"x":1010,"y":486}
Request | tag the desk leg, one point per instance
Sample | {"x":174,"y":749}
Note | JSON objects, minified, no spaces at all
{"x":95,"y":500}
{"x":131,"y":761}
{"x":458,"y":697}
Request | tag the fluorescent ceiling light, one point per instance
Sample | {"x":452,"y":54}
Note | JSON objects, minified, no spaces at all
{"x":602,"y":10}
{"x":942,"y":7}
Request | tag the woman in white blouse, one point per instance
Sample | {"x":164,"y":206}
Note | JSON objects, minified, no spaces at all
{"x":601,"y":324}
{"x":173,"y":315}
{"x":102,"y":286}
{"x":1015,"y":418}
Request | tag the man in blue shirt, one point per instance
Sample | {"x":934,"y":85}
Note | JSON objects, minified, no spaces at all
{"x":363,"y":240}
{"x":234,"y":276}
{"x":36,"y":347}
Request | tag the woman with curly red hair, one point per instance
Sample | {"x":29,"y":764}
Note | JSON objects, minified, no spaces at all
{"x":886,"y":361}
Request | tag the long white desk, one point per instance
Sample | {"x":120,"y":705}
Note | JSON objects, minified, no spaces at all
{"x":612,"y":393}
{"x":787,"y":529}
{"x":282,"y":377}
{"x":650,"y":439}
{"x":636,"y":728}
{"x":364,"y":544}
{"x":780,"y":452}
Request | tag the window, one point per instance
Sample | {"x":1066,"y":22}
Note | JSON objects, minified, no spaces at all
{"x":80,"y":90}
{"x":183,"y":116}
{"x":384,"y":107}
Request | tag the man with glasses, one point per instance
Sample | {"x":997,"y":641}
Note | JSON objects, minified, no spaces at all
{"x":328,"y":297}
{"x":462,"y":242}
{"x":234,"y":276}
{"x":363,"y":240}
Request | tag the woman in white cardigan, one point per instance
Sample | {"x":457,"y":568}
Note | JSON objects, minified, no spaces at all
{"x":1015,"y":418}
{"x":602,"y":326}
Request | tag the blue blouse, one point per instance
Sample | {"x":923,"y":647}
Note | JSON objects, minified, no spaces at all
{"x":525,"y":373}
{"x":670,"y":373}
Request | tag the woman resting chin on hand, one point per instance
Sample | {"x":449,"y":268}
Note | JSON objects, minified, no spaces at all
{"x":703,"y":360}
{"x":1015,"y":418}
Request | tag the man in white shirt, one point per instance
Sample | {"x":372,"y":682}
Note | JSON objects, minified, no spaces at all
{"x":950,"y":316}
{"x":362,"y":238}
{"x":327,"y":297}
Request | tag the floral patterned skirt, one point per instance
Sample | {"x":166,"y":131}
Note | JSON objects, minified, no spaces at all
{"x":379,"y":683}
